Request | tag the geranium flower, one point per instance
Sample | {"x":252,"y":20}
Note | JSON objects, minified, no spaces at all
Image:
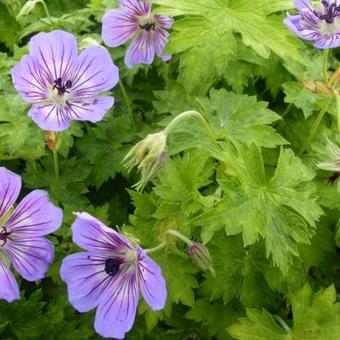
{"x":321,"y":25}
{"x":135,"y":21}
{"x":62,"y":85}
{"x":21,"y":234}
{"x":109,"y":276}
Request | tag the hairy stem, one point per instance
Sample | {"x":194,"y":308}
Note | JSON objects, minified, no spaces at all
{"x":187,"y":114}
{"x":315,"y":127}
{"x":180,"y":236}
{"x":157,"y":248}
{"x":127,"y":100}
{"x":337,"y":98}
{"x":325,"y":66}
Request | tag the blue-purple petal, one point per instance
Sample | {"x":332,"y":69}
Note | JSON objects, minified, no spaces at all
{"x":86,"y":279}
{"x":118,"y":27}
{"x":152,"y":283}
{"x":9,"y":289}
{"x":30,"y":257}
{"x":92,"y":235}
{"x":34,"y":216}
{"x":116,"y":311}
{"x":10,"y":185}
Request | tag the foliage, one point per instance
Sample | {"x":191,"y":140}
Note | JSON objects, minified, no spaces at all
{"x":267,"y":214}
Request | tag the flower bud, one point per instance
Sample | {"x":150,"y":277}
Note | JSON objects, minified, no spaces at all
{"x":149,"y":155}
{"x":27,"y":8}
{"x":200,"y":256}
{"x":333,"y":163}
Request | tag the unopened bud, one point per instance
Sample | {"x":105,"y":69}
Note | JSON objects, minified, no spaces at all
{"x":333,"y":163}
{"x":317,"y":87}
{"x":27,"y":8}
{"x":52,"y":140}
{"x":200,"y":256}
{"x":149,"y":156}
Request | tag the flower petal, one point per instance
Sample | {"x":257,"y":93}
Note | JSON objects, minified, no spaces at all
{"x":49,"y":117}
{"x":118,"y":27}
{"x":30,"y":257}
{"x":332,"y":41}
{"x":164,"y":21}
{"x":92,"y":235}
{"x":117,"y":307}
{"x":160,"y":40}
{"x":92,"y":109}
{"x":151,"y":282}
{"x":85,"y":276}
{"x":56,"y":52}
{"x":29,"y":80}
{"x":9,"y":289}
{"x":94,"y":73}
{"x":293,"y":23}
{"x":141,"y":50}
{"x":136,"y":7}
{"x":10,"y":185}
{"x":34,"y":216}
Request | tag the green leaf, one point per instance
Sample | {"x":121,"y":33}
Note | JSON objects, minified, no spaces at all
{"x":279,"y":209}
{"x":315,"y":316}
{"x":210,"y":25}
{"x":241,"y":118}
{"x":302,"y":98}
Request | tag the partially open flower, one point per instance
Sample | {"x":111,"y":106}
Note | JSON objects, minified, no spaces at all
{"x":149,"y":155}
{"x":320,"y":25}
{"x":200,"y":256}
{"x":333,"y":164}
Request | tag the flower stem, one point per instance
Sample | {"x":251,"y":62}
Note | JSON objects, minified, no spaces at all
{"x":47,"y":12}
{"x":185,"y":115}
{"x":127,"y":100}
{"x":157,"y":248}
{"x":180,"y":236}
{"x":56,"y":163}
{"x":337,"y":98}
{"x":325,"y":66}
{"x":282,"y":323}
{"x":317,"y":122}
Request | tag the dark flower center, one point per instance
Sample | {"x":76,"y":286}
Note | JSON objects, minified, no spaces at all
{"x":62,"y":87}
{"x":112,"y":266}
{"x":4,"y":235}
{"x":148,"y":26}
{"x":332,"y":178}
{"x":330,"y":12}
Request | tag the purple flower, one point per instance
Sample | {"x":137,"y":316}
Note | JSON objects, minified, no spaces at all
{"x":109,"y":276}
{"x":62,"y":85}
{"x":21,"y":234}
{"x":134,"y":20}
{"x":321,"y":25}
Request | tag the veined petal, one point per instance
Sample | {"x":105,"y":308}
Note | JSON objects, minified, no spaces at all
{"x":331,"y":41}
{"x":293,"y":23}
{"x":30,"y":257}
{"x":86,"y":279}
{"x":141,"y":50}
{"x":160,"y":38}
{"x":56,"y":52}
{"x":117,"y":307}
{"x":94,"y":73}
{"x":29,"y":80}
{"x":164,"y":21}
{"x":49,"y":117}
{"x":92,"y":235}
{"x":136,"y":7}
{"x":9,"y":289}
{"x":10,"y":185}
{"x":34,"y":216}
{"x":118,"y":27}
{"x":151,"y":281}
{"x":91,"y":109}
